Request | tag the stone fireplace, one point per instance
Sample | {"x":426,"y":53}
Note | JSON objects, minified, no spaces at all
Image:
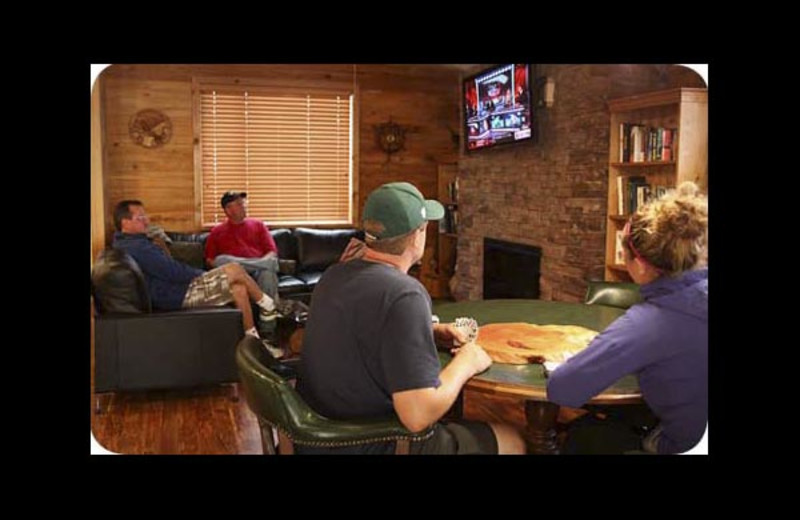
{"x":510,"y":270}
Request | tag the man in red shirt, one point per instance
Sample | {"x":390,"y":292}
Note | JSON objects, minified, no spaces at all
{"x":247,"y":242}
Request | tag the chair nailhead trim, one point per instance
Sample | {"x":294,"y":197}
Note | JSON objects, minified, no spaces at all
{"x":353,"y":443}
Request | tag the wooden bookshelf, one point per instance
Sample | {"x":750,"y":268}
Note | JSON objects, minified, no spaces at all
{"x":670,"y":123}
{"x":443,"y":235}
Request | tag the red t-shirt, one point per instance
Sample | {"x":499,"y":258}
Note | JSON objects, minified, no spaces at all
{"x":248,"y":239}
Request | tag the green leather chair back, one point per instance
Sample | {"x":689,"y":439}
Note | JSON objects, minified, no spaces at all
{"x":613,"y":294}
{"x":275,"y":401}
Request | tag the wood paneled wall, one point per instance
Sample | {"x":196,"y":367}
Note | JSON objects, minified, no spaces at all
{"x":420,"y":97}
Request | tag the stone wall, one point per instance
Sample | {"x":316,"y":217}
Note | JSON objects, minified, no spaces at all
{"x":552,"y":193}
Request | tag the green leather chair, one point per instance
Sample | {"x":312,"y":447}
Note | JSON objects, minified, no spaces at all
{"x":613,"y":294}
{"x":270,"y":394}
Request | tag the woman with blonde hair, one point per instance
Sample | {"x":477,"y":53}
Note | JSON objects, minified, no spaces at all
{"x":663,"y":339}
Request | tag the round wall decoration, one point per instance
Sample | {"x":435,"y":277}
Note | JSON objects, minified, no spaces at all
{"x":150,"y":128}
{"x":391,"y":137}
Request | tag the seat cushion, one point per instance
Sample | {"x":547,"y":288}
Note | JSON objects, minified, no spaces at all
{"x":310,"y":279}
{"x":289,"y":285}
{"x":191,"y":253}
{"x":319,"y":248}
{"x":287,"y":247}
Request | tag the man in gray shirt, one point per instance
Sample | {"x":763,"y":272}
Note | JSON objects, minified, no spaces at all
{"x":369,"y":349}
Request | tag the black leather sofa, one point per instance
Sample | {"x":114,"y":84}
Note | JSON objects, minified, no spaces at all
{"x":139,"y":349}
{"x":304,"y":255}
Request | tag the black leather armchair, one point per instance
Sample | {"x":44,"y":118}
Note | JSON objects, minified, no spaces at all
{"x":138,"y":349}
{"x":273,"y":399}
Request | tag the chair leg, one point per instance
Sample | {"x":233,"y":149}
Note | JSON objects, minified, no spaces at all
{"x":267,"y":444}
{"x":402,"y":447}
{"x":285,"y":444}
{"x":234,"y":397}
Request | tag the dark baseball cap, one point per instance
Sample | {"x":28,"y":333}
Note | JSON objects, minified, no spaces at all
{"x":397,"y":208}
{"x":230,"y":196}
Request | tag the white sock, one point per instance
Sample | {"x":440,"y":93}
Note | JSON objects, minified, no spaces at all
{"x":266,"y":303}
{"x":252,"y":331}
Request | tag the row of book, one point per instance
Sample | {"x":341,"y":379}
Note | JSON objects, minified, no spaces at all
{"x":452,"y":190}
{"x":640,"y":143}
{"x":635,"y":191}
{"x":449,"y":224}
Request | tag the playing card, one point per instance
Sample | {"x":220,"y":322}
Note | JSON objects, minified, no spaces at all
{"x":469,"y":327}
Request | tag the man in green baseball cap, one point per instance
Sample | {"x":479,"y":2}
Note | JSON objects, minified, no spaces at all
{"x":398,"y":208}
{"x":369,"y":345}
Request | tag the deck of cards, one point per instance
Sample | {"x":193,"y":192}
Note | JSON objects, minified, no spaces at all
{"x":468,"y":326}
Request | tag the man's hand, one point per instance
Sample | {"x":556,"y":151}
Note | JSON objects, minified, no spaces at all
{"x":447,"y":335}
{"x":474,"y":356}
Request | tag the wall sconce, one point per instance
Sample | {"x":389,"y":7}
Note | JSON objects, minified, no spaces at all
{"x":547,"y":89}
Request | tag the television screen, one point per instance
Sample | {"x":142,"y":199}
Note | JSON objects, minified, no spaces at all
{"x":498,"y":106}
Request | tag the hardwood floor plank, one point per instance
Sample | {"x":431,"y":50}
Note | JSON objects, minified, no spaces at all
{"x":203,"y":421}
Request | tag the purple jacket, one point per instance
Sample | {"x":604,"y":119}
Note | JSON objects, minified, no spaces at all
{"x":664,"y":341}
{"x":167,"y":279}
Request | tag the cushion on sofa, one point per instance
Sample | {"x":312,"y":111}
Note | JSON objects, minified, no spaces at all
{"x":191,"y":253}
{"x":118,"y":284}
{"x":319,"y":248}
{"x":287,"y":250}
{"x":178,"y":236}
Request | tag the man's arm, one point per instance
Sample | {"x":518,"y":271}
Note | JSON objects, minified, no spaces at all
{"x":210,"y":252}
{"x":155,"y":263}
{"x":419,"y":408}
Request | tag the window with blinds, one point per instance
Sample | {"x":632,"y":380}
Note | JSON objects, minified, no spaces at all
{"x":291,"y":151}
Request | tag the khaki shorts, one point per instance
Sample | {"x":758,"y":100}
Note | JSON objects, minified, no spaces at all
{"x":210,"y":289}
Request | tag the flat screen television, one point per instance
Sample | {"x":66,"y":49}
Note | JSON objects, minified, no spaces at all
{"x":498,"y":107}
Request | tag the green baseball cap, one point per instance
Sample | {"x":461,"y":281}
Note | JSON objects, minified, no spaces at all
{"x":397,"y":208}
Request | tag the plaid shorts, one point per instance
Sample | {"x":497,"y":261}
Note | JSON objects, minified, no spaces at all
{"x":210,"y":289}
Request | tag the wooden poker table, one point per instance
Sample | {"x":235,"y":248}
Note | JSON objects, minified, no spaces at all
{"x":528,"y":382}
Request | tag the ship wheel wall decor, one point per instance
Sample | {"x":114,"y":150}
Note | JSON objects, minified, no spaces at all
{"x":150,"y":128}
{"x":391,"y":137}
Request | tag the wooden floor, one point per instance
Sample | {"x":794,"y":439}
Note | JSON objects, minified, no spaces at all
{"x":211,"y":421}
{"x":208,"y":421}
{"x":196,"y":421}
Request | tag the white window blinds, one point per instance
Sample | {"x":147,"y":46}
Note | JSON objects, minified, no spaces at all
{"x":291,"y":151}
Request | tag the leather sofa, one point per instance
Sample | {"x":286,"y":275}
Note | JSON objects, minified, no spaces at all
{"x":139,"y":349}
{"x":304,"y":254}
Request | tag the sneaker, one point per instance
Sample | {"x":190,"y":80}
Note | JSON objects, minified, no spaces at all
{"x":274,"y":351}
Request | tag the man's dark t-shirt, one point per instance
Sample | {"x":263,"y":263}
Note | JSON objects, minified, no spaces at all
{"x":369,"y":335}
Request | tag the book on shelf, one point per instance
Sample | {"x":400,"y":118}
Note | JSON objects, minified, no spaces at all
{"x":620,"y":197}
{"x":642,"y":143}
{"x":619,"y":252}
{"x":449,"y":224}
{"x":452,"y":191}
{"x":633,"y":192}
